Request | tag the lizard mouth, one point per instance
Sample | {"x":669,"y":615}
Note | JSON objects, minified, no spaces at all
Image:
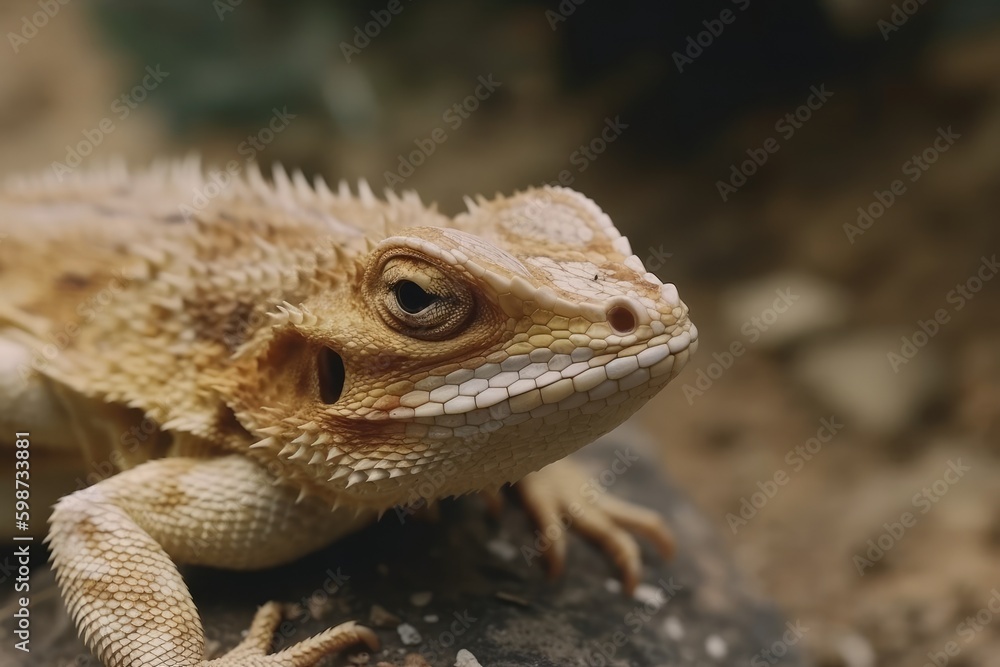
{"x":539,"y":384}
{"x":564,"y":400}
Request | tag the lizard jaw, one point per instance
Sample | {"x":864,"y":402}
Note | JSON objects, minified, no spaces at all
{"x":480,"y":428}
{"x":483,"y":427}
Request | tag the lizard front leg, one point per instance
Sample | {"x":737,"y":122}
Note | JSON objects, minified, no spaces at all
{"x":560,"y":497}
{"x":114,"y":546}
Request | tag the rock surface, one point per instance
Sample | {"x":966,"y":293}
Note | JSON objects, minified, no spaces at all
{"x":462,"y":589}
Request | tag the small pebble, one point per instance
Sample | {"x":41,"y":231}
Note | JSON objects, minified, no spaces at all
{"x":421,"y":599}
{"x":466,"y":659}
{"x":362,"y":658}
{"x":319,"y":606}
{"x":853,"y":378}
{"x":510,"y":597}
{"x":856,"y":651}
{"x":650,"y":595}
{"x":715,"y":647}
{"x":783,"y":308}
{"x":408,"y":634}
{"x":613,"y":586}
{"x":502,"y":549}
{"x":431,"y":618}
{"x":672,"y":626}
{"x":383,"y":618}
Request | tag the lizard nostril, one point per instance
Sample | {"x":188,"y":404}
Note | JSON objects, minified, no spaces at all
{"x":621,"y":319}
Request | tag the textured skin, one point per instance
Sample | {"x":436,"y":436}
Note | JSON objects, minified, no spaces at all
{"x":286,"y":350}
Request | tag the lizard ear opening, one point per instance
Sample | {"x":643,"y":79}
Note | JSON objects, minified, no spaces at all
{"x":330,"y":367}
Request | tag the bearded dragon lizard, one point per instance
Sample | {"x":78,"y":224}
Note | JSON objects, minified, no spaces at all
{"x":277,"y":368}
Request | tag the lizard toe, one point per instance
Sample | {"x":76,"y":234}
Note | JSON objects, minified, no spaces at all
{"x":558,"y":499}
{"x":253,"y":650}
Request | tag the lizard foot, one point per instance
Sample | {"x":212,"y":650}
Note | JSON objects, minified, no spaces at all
{"x":560,"y":497}
{"x":253,"y":650}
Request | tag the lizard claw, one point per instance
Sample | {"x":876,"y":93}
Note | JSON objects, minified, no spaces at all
{"x":558,"y":498}
{"x":253,"y":650}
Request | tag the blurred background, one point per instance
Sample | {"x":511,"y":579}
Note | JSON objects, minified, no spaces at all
{"x":820,"y":178}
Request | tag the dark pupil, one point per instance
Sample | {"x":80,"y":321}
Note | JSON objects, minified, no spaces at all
{"x":412,"y":298}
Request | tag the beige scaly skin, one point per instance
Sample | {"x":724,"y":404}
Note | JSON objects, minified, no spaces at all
{"x":286,"y":350}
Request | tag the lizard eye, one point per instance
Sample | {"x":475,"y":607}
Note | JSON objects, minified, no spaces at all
{"x":421,"y":300}
{"x":412,"y":298}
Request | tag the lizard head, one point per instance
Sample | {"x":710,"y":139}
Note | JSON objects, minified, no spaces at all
{"x":462,"y":357}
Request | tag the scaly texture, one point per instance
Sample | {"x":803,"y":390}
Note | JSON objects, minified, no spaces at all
{"x":282,"y":350}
